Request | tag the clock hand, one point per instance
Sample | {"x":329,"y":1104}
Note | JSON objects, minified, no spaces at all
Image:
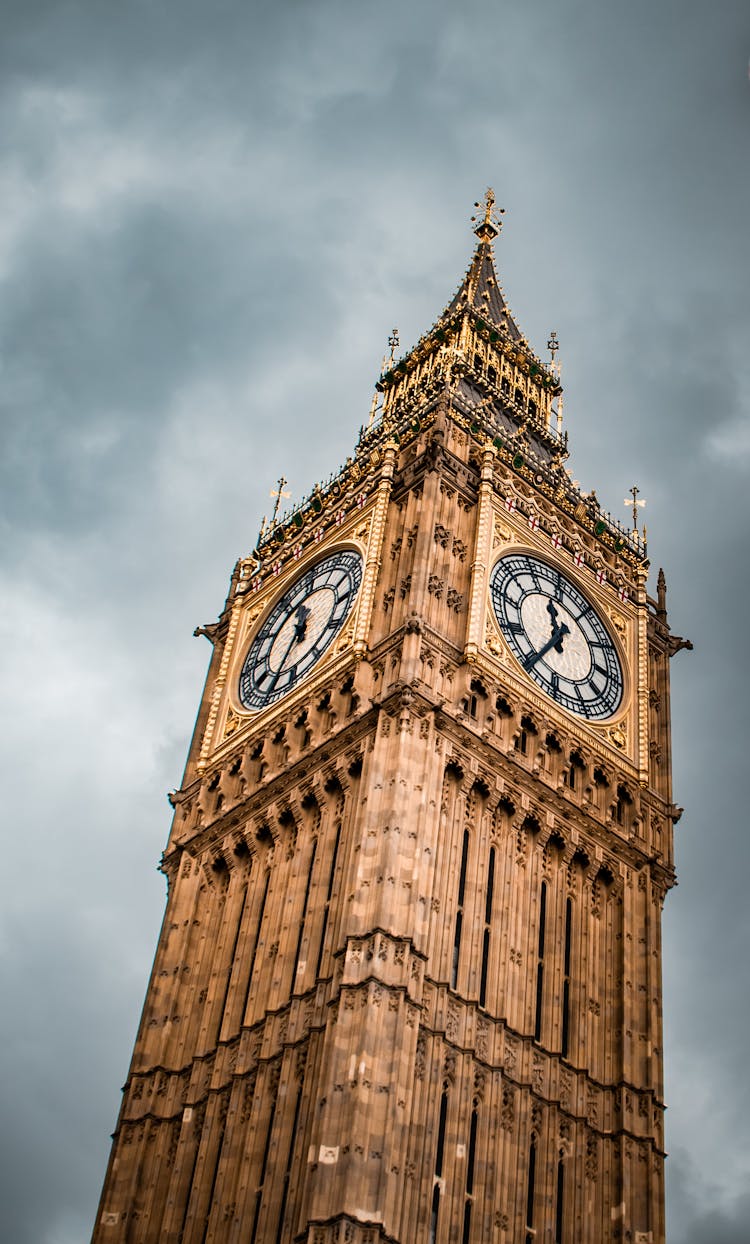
{"x":298,"y":635}
{"x":555,"y":642}
{"x":303,"y":613}
{"x":551,"y":610}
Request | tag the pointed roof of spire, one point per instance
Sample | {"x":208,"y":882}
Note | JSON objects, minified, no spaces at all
{"x":480,"y":289}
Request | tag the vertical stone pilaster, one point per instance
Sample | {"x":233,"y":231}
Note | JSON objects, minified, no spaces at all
{"x":480,"y":559}
{"x":374,"y":552}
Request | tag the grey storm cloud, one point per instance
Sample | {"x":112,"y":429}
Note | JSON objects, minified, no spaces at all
{"x":212,"y":216}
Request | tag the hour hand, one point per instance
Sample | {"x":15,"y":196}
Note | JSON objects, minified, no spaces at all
{"x":555,"y":642}
{"x":552,"y":613}
{"x":300,"y":628}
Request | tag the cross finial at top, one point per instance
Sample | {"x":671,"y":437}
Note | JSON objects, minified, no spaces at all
{"x":490,"y":226}
{"x":635,"y":503}
{"x":277,"y":493}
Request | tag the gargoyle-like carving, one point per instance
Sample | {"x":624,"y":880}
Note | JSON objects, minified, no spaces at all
{"x":211,"y":630}
{"x":677,"y":643}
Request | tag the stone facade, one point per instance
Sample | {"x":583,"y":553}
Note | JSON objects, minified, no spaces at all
{"x":408,"y":982}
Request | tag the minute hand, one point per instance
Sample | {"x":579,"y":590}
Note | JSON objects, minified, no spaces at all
{"x":557,"y":635}
{"x":294,"y":640}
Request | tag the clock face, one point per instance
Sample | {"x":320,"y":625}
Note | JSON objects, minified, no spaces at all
{"x":299,"y":628}
{"x":557,"y":635}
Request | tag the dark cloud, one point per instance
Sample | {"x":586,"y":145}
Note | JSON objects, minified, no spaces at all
{"x":704,"y":1213}
{"x":211,"y":221}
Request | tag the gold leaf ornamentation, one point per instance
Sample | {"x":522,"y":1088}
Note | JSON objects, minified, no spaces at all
{"x":617,"y":621}
{"x":493,"y":643}
{"x":346,"y":636}
{"x":253,"y":615}
{"x":500,"y":535}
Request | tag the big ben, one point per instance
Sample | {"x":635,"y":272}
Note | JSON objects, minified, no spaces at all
{"x":408,"y":984}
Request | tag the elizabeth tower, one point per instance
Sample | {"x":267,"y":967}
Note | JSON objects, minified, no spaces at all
{"x":408,"y":986}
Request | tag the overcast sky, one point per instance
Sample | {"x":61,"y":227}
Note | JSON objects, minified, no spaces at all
{"x":211,"y":216}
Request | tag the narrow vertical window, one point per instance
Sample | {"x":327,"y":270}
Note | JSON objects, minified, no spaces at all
{"x":460,"y":912}
{"x":232,"y":956}
{"x":258,"y":929}
{"x":456,"y":949}
{"x":262,"y":1179}
{"x":301,"y":934}
{"x":470,"y":1177}
{"x":467,"y":1223}
{"x":288,"y":1170}
{"x":217,"y":1163}
{"x":540,"y":962}
{"x":566,"y":980}
{"x":490,"y":887}
{"x":462,"y":876}
{"x":441,"y":1135}
{"x":487,"y":923}
{"x":530,"y":1233}
{"x":327,"y":908}
{"x":438,"y":1167}
{"x":434,"y":1213}
{"x":472,"y":1153}
{"x":485,"y":962}
{"x":560,"y":1202}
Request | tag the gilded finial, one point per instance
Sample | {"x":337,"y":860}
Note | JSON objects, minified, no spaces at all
{"x":633,"y":501}
{"x":489,"y":227}
{"x":373,"y":409}
{"x":278,"y":493}
{"x":553,"y":345}
{"x":393,"y":344}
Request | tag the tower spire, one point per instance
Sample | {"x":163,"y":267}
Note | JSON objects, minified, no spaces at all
{"x":480,"y":289}
{"x":488,"y":228}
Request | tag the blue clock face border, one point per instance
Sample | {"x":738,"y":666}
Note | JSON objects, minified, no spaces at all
{"x":301,"y":626}
{"x":557,"y":636}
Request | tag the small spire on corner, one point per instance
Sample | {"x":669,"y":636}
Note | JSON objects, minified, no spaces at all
{"x":553,"y":345}
{"x":278,"y":494}
{"x":488,"y":227}
{"x":393,"y":345}
{"x":633,"y":502}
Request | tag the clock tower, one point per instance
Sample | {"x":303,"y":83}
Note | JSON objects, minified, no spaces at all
{"x":408,"y":982}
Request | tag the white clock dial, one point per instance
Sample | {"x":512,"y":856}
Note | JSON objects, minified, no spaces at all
{"x":299,"y":629}
{"x":557,"y":635}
